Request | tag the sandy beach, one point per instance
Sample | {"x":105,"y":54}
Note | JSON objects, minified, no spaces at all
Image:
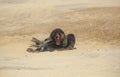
{"x":95,"y":23}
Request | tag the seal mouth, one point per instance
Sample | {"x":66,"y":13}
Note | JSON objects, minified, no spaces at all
{"x":57,"y":39}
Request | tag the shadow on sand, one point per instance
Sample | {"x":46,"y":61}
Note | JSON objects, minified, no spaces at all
{"x":30,"y":50}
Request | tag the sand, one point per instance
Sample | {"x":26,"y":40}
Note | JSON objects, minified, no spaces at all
{"x":95,"y":23}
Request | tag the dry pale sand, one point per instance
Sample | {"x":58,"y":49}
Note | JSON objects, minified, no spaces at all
{"x":95,"y":23}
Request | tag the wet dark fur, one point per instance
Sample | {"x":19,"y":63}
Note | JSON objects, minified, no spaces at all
{"x":70,"y":41}
{"x":61,"y":37}
{"x":70,"y":38}
{"x":49,"y":44}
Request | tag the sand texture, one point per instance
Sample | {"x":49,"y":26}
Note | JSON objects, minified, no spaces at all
{"x":95,"y":23}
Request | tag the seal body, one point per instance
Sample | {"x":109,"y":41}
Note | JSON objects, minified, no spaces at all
{"x":56,"y":40}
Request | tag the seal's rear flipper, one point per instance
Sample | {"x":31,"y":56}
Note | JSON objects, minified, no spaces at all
{"x":36,"y":41}
{"x":31,"y":50}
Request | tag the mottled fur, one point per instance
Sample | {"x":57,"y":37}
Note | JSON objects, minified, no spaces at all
{"x":56,"y":40}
